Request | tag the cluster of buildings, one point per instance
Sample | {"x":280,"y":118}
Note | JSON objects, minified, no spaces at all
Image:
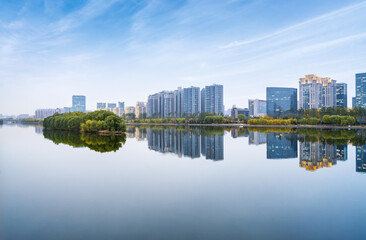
{"x":313,"y":92}
{"x":186,"y":102}
{"x":138,"y":111}
{"x":78,"y":105}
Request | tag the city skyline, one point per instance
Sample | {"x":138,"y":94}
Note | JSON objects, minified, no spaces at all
{"x":116,"y":50}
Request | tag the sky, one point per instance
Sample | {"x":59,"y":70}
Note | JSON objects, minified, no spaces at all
{"x":115,"y":50}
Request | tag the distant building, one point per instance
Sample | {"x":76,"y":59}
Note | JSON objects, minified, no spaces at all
{"x":341,"y":95}
{"x":67,"y":110}
{"x":118,"y":111}
{"x":130,"y":110}
{"x":317,"y":92}
{"x":191,"y":101}
{"x":101,"y":106}
{"x":213,"y":99}
{"x":111,"y":105}
{"x":140,"y":110}
{"x":257,"y":108}
{"x":281,"y":101}
{"x":78,"y":103}
{"x":360,"y":99}
{"x":122,"y":106}
{"x":353,"y":102}
{"x":235,"y":112}
{"x":23,"y":116}
{"x":43,"y":113}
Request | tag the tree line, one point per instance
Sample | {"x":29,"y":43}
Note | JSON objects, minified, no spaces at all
{"x":100,"y":120}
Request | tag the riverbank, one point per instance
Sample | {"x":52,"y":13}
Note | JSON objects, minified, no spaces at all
{"x":239,"y":125}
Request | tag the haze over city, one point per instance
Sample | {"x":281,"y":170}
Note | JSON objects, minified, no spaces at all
{"x":114,"y":51}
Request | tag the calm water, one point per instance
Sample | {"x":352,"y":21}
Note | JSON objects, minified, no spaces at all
{"x":182,"y":184}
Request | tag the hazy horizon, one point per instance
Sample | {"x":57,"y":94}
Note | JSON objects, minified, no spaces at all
{"x":114,"y":50}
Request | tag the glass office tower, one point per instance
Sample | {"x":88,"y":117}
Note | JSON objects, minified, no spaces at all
{"x":281,"y":101}
{"x":78,"y":103}
{"x":360,"y":100}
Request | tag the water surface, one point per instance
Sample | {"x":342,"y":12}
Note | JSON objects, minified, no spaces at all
{"x":178,"y":183}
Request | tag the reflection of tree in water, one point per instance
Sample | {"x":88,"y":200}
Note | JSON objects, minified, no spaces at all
{"x":96,"y":142}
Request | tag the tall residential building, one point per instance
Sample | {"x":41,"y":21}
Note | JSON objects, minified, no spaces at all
{"x":360,"y":99}
{"x":111,"y":105}
{"x":317,"y":92}
{"x":191,"y":100}
{"x":121,"y":105}
{"x":101,"y":105}
{"x":257,"y":108}
{"x":140,"y":110}
{"x":178,"y":102}
{"x":341,"y":95}
{"x":281,"y":101}
{"x":213,"y":99}
{"x":78,"y":103}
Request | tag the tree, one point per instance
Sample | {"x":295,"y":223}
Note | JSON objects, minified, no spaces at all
{"x":242,"y":117}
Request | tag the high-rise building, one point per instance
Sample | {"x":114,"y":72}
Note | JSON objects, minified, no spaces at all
{"x":140,"y":110}
{"x":281,"y":101}
{"x":360,"y":99}
{"x":178,"y":102}
{"x":257,"y":108}
{"x":191,"y":100}
{"x":101,"y":105}
{"x":353,"y":102}
{"x":317,"y":92}
{"x":78,"y":103}
{"x":111,"y":105}
{"x":122,"y":106}
{"x":341,"y":95}
{"x":213,"y":99}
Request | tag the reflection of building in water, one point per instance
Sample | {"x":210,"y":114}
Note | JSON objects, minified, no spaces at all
{"x":191,"y":144}
{"x":130,"y":132}
{"x":342,"y":152}
{"x":281,"y":145}
{"x":317,"y":155}
{"x":361,"y":159}
{"x":186,"y":143}
{"x":257,"y":138}
{"x":239,"y":132}
{"x":141,"y":134}
{"x":39,"y":129}
{"x":213,"y":147}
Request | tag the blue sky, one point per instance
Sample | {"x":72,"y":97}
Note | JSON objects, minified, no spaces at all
{"x":115,"y":50}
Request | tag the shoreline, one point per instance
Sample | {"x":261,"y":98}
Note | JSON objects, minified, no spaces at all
{"x":240,"y":125}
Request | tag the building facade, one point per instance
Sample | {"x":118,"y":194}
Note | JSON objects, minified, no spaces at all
{"x":43,"y":113}
{"x":213,"y":99}
{"x":257,"y":108}
{"x":191,"y":101}
{"x":112,"y":105}
{"x":317,"y":92}
{"x":341,"y":95}
{"x":360,"y":99}
{"x":101,"y":106}
{"x":78,"y":103}
{"x":281,"y":101}
{"x":235,"y":112}
{"x":140,"y":110}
